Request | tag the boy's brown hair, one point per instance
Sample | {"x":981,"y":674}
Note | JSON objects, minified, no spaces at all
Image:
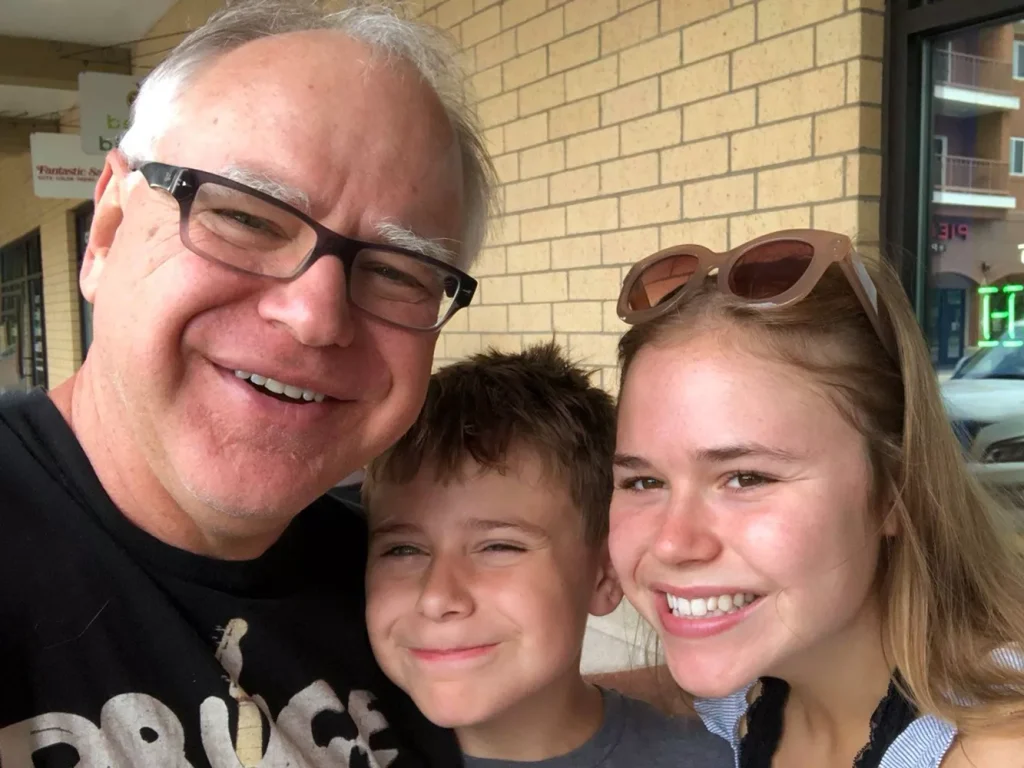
{"x":483,"y":407}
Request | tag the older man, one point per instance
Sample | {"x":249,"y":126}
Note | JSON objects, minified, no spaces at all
{"x":274,"y":249}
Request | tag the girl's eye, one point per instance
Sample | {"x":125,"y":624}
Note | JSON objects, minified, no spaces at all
{"x":744,"y":480}
{"x":640,"y":484}
{"x":401,"y":550}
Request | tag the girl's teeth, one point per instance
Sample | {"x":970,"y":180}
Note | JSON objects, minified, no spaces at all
{"x":710,"y":606}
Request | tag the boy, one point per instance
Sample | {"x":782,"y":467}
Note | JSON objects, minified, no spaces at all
{"x":488,"y":526}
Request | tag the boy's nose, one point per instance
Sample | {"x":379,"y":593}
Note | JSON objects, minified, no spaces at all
{"x":444,"y":595}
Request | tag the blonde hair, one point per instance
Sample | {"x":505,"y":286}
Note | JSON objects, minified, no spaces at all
{"x":951,"y":582}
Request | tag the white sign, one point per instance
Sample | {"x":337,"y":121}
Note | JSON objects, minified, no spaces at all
{"x":104,"y":102}
{"x":60,"y":168}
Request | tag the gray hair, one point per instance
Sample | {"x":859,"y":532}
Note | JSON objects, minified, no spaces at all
{"x":431,"y":51}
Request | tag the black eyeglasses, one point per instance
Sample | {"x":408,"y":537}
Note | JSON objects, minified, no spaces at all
{"x":248,"y":231}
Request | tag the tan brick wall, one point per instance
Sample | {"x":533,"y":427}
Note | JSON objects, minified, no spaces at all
{"x":60,"y":296}
{"x":624,"y":126}
{"x":618,"y":127}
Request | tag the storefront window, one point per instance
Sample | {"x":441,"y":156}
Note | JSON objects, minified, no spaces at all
{"x":974,"y":265}
{"x":22,"y":325}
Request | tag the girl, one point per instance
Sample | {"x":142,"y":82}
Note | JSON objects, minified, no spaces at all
{"x":793,"y":515}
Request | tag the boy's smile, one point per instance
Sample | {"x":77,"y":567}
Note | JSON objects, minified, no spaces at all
{"x":478,"y":591}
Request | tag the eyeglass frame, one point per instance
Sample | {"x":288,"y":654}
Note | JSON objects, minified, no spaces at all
{"x":828,"y":248}
{"x":183,"y":183}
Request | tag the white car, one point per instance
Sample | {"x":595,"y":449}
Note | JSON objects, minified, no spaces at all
{"x":985,"y":402}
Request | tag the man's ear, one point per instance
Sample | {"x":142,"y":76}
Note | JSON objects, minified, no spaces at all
{"x":106,"y":218}
{"x":607,"y":592}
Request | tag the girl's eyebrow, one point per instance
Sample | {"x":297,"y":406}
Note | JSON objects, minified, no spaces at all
{"x":715,"y":455}
{"x":628,"y":461}
{"x":741,"y":450}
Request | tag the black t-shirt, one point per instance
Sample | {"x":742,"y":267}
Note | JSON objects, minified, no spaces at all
{"x":119,"y":650}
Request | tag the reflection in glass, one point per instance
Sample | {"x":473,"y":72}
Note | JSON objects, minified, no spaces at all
{"x":975,"y":307}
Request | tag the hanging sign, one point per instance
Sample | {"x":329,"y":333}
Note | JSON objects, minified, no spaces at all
{"x":60,"y":168}
{"x":105,"y":103}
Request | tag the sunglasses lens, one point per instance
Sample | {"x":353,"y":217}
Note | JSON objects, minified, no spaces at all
{"x":770,"y":270}
{"x":661,"y":280}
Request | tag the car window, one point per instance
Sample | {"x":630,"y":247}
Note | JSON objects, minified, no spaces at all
{"x":1005,"y":360}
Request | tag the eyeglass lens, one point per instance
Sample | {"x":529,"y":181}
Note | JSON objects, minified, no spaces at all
{"x":661,"y":280}
{"x":252,"y":235}
{"x":770,"y":269}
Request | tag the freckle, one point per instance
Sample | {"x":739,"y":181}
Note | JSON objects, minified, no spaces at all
{"x":216,"y":120}
{"x":152,"y":231}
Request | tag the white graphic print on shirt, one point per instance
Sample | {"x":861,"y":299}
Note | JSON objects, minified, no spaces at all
{"x":136,"y":729}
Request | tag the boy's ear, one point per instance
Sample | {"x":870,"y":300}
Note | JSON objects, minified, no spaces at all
{"x":607,"y":592}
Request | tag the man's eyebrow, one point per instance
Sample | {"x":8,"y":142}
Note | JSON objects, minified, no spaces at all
{"x":389,"y":232}
{"x":268,"y":185}
{"x":394,"y":234}
{"x":741,"y":450}
{"x":487,"y":524}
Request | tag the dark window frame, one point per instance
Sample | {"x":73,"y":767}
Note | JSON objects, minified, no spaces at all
{"x":83,"y":222}
{"x":28,"y":287}
{"x":910,"y":25}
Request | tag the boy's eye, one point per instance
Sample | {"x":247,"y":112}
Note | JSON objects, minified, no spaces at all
{"x":640,"y":484}
{"x":502,"y":546}
{"x":744,"y":480}
{"x":402,"y":550}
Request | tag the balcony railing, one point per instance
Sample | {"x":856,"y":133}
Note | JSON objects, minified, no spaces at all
{"x":970,"y":174}
{"x":964,"y":70}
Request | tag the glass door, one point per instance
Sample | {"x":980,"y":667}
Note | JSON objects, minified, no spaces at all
{"x":22,"y":316}
{"x":960,"y":223}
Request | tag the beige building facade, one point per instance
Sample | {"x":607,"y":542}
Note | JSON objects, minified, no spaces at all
{"x":620,"y":127}
{"x":617,"y":127}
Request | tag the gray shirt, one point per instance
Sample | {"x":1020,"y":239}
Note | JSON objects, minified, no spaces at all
{"x":632,"y":734}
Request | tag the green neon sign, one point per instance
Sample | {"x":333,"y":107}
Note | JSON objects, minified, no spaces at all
{"x":999,"y":305}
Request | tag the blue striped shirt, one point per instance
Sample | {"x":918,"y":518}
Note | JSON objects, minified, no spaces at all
{"x":922,"y":744}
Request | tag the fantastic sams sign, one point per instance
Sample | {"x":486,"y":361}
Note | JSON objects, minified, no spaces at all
{"x":61,"y":169}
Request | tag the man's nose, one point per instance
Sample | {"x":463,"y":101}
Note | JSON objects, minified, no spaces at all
{"x":444,"y":595}
{"x":687,"y":534}
{"x":314,"y":306}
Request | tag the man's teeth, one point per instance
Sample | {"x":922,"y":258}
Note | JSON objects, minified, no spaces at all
{"x":280,"y":388}
{"x":702,"y":607}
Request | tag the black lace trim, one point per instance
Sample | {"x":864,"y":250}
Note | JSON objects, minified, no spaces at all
{"x":765,"y":715}
{"x":764,"y":724}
